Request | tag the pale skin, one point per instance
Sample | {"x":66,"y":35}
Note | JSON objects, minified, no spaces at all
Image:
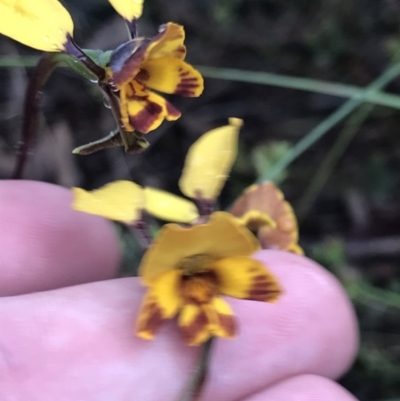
{"x":74,"y":340}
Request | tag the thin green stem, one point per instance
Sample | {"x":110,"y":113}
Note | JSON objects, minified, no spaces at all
{"x":18,"y":61}
{"x":305,"y":84}
{"x":321,"y":129}
{"x":326,"y":168}
{"x":261,"y":78}
{"x":366,"y":293}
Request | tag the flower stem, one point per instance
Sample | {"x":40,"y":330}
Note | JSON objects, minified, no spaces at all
{"x":74,"y":50}
{"x":43,"y":70}
{"x":141,"y":232}
{"x":196,"y":382}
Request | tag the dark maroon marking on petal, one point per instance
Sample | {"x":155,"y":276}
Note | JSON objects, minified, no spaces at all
{"x":263,"y":288}
{"x":146,"y":117}
{"x":263,"y":294}
{"x":142,"y":76}
{"x":186,"y":85}
{"x":172,"y":110}
{"x":190,"y":332}
{"x":154,"y":318}
{"x":228,"y":322}
{"x":134,"y":96}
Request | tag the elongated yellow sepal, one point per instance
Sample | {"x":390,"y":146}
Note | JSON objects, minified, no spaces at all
{"x":128,"y":9}
{"x":120,"y":201}
{"x":169,"y":207}
{"x":40,"y":24}
{"x":209,"y":161}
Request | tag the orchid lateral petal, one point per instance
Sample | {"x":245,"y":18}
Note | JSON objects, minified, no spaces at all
{"x":121,"y":201}
{"x":169,"y":207}
{"x":144,"y":111}
{"x":161,"y":302}
{"x":41,"y":24}
{"x":128,"y":9}
{"x":246,"y":278}
{"x":209,"y":162}
{"x":171,"y":75}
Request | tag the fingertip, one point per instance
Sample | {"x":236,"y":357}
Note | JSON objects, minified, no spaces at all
{"x":303,"y":388}
{"x":46,"y":245}
{"x":310,"y":329}
{"x":314,"y":285}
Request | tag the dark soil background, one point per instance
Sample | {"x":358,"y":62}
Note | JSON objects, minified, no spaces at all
{"x":351,"y":225}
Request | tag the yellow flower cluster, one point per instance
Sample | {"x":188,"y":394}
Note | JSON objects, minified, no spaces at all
{"x":204,"y":254}
{"x":188,"y":268}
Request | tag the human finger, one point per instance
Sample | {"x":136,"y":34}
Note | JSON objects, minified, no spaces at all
{"x":303,"y":388}
{"x":79,"y":342}
{"x":45,"y":245}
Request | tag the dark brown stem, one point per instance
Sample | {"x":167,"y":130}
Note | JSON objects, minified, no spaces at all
{"x":196,"y":383}
{"x":205,"y":206}
{"x":71,"y":48}
{"x":141,"y":231}
{"x":46,"y":65}
{"x":132,"y":28}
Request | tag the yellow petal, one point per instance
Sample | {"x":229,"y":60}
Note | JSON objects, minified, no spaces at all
{"x":243,"y":277}
{"x":171,"y":75}
{"x":194,"y":324}
{"x":169,"y":207}
{"x":220,"y":237}
{"x":168,"y":43}
{"x":209,"y":162}
{"x":144,"y":113}
{"x":127,"y":59}
{"x":199,"y":322}
{"x":161,"y":302}
{"x":221,"y":317}
{"x":128,"y":9}
{"x":40,"y":24}
{"x":121,"y":201}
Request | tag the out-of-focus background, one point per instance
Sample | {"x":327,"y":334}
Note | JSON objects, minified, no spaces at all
{"x":344,"y":188}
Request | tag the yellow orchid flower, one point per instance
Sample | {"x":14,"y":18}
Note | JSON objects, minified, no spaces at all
{"x":144,"y":64}
{"x":209,"y":162}
{"x":128,"y":9}
{"x":124,"y":201}
{"x":188,"y":269}
{"x":262,"y":208}
{"x":40,"y":24}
